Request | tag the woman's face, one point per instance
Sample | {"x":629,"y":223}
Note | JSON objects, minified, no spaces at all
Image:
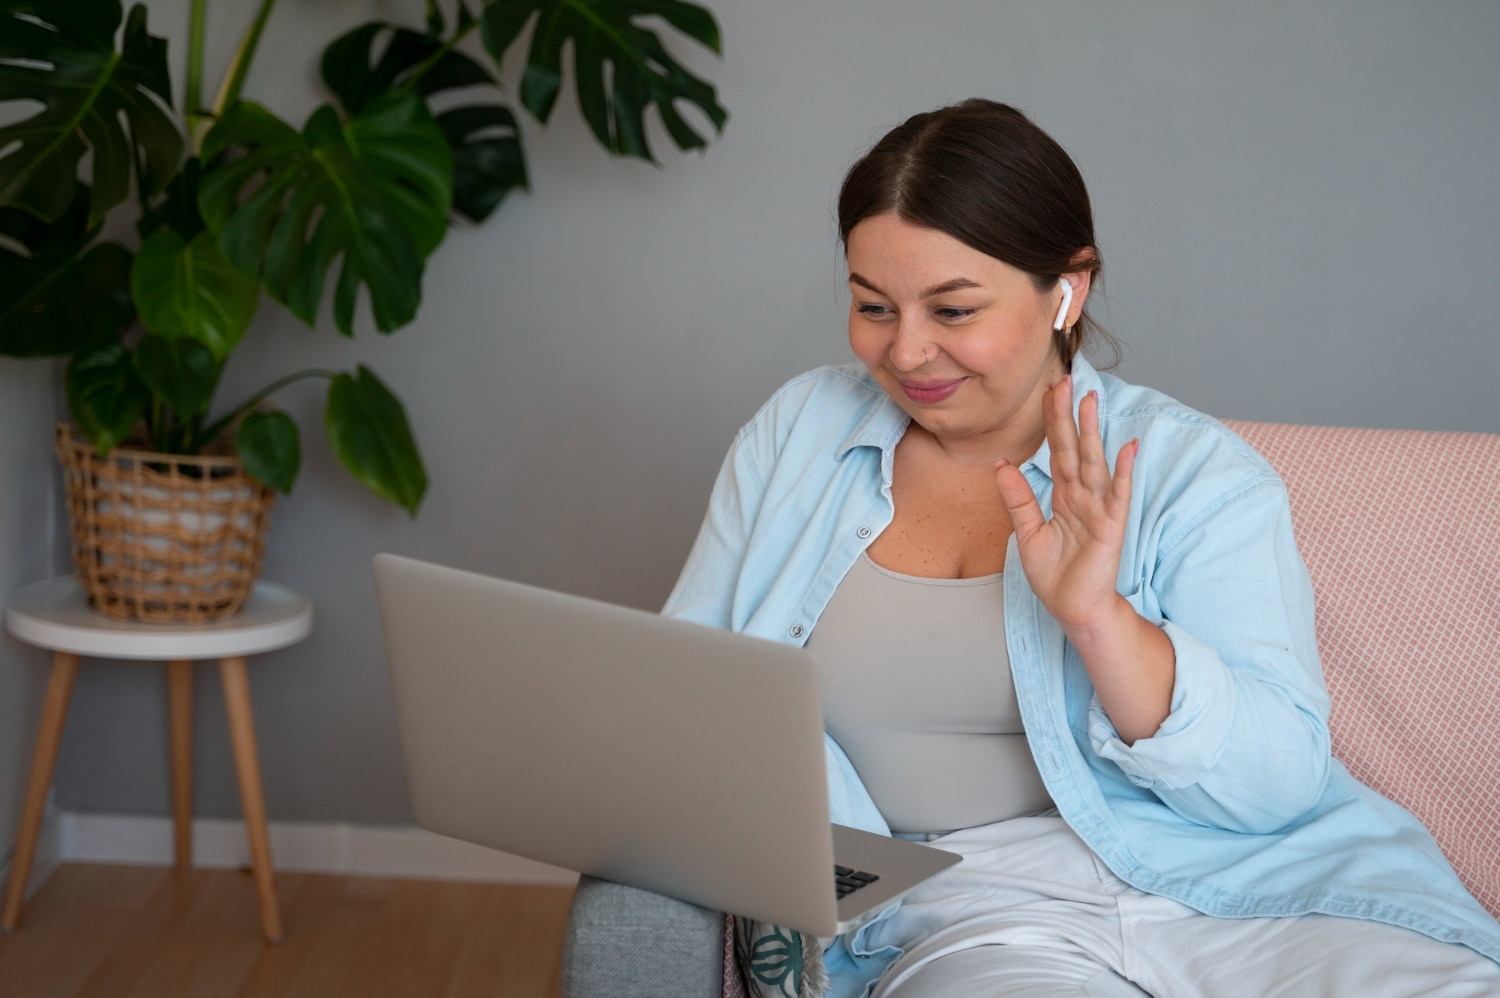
{"x":959,"y":339}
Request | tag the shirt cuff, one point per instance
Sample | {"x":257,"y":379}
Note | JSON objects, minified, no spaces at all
{"x":1192,"y":739}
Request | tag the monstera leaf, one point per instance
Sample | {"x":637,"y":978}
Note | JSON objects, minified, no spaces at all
{"x":368,"y":430}
{"x":190,"y":291}
{"x":61,"y":53}
{"x":270,"y":448}
{"x":488,"y":161}
{"x":105,"y":395}
{"x":58,"y":294}
{"x":620,"y":67}
{"x":181,"y":372}
{"x":375,"y":190}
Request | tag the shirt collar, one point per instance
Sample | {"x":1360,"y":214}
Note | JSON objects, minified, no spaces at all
{"x":882,"y":426}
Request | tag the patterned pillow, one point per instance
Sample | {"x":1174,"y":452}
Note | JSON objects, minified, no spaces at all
{"x":769,"y":961}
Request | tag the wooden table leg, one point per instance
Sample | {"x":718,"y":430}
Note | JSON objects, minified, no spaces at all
{"x":247,"y":763}
{"x":44,"y":759}
{"x":180,"y":710}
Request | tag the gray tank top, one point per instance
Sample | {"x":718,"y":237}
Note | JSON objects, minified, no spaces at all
{"x":918,"y":692}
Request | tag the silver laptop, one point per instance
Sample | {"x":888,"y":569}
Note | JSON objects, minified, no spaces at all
{"x":667,"y":755}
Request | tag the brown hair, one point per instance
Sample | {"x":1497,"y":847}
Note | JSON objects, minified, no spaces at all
{"x":981,"y":172}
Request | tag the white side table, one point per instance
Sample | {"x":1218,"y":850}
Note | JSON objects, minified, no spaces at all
{"x":55,"y":615}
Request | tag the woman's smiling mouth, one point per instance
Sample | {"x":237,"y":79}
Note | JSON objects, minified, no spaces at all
{"x":928,"y":392}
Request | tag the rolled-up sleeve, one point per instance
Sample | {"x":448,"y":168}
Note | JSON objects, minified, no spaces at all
{"x":1191,"y":741}
{"x":1246,"y":745}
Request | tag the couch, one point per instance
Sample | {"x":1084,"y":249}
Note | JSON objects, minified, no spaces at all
{"x":1400,"y":530}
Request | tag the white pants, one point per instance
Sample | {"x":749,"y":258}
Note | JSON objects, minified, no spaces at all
{"x":1032,"y":912}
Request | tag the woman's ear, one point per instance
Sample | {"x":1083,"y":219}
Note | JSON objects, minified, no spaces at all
{"x":1080,"y":280}
{"x":1061,"y":322}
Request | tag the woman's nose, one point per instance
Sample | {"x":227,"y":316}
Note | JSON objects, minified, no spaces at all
{"x":912,"y":346}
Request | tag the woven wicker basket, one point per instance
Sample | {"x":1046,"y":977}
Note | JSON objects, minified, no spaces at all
{"x":165,"y":538}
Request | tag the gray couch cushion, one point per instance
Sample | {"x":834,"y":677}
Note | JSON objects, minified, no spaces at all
{"x":624,"y":941}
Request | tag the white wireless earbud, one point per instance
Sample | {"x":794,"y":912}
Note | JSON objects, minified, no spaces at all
{"x":1062,"y":313}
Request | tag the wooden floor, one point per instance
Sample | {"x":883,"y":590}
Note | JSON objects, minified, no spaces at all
{"x":104,"y":931}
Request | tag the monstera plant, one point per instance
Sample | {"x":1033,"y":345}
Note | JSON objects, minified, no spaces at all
{"x":231,"y":202}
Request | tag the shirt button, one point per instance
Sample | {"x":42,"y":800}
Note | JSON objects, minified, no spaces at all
{"x":863,"y":532}
{"x":796,"y":630}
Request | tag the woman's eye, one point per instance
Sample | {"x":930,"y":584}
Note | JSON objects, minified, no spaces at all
{"x":872,"y":311}
{"x":951,"y":313}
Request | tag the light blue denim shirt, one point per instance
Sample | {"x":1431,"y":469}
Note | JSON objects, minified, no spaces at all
{"x":1235,"y":806}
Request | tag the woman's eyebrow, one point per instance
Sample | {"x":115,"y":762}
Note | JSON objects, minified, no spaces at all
{"x":956,"y":284}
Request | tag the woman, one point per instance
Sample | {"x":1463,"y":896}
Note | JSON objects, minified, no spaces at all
{"x":1100,"y":685}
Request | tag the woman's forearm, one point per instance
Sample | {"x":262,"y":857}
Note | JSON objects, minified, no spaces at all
{"x":1132,"y":665}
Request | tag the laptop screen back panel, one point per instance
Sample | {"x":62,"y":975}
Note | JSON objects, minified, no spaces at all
{"x":589,"y":739}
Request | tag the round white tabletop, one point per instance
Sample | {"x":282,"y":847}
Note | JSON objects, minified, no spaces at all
{"x":55,"y":614}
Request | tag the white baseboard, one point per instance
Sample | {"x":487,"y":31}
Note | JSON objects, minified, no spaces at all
{"x":310,"y":847}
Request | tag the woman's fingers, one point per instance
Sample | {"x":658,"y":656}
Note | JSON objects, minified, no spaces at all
{"x":1072,"y":559}
{"x":1077,"y":449}
{"x":1119,"y":490}
{"x":1062,"y":435}
{"x":1020,"y":502}
{"x":1093,"y":469}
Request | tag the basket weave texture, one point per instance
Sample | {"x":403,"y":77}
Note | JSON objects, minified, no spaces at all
{"x":163,"y":538}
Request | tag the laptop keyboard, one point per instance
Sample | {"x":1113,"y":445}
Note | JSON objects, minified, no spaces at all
{"x":848,"y":881}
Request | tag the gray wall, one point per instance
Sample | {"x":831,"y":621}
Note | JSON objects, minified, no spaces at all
{"x":1295,"y":202}
{"x":30,"y":546}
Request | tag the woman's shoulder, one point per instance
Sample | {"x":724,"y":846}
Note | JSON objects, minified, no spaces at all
{"x":832,"y":384}
{"x":832,"y":399}
{"x":1188,"y":460}
{"x":816,"y":419}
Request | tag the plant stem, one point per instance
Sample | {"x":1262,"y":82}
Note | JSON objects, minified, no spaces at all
{"x":156,"y":428}
{"x":192,"y":97}
{"x":234,"y":79}
{"x":218,"y":426}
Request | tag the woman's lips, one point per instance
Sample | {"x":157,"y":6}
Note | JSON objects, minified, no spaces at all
{"x":928,"y":392}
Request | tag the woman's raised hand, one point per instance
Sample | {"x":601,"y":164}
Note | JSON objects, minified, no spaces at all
{"x":1072,"y":560}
